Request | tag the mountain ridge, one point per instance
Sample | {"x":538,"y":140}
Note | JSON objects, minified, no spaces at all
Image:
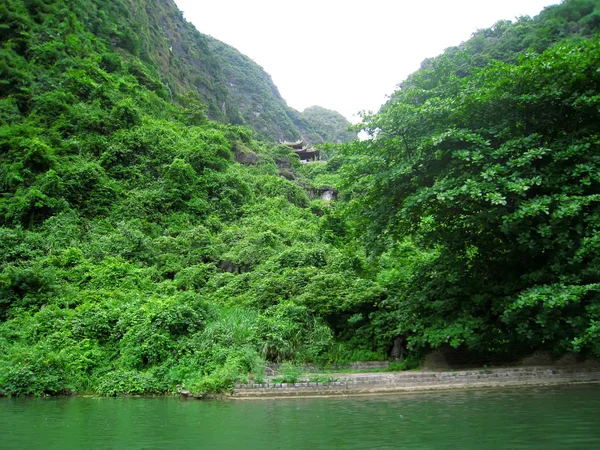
{"x":234,"y":88}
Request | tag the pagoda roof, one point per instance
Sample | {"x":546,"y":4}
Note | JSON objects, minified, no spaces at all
{"x":294,"y":145}
{"x":306,"y":150}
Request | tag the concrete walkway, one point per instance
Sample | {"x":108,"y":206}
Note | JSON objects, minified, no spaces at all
{"x":384,"y":382}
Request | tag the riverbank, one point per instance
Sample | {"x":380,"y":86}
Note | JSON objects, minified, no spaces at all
{"x":377,"y":383}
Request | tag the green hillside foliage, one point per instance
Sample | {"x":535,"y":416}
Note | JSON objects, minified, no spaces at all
{"x":166,"y":54}
{"x":135,"y":254}
{"x":494,"y":169}
{"x":255,"y":97}
{"x":321,"y":126}
{"x":507,"y":41}
{"x":256,"y":102}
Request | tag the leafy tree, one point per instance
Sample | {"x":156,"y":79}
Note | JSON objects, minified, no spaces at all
{"x":497,"y":172}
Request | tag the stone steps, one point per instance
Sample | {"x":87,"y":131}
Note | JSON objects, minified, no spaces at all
{"x":416,"y":380}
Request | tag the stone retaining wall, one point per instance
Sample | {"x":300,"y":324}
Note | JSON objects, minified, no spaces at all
{"x":273,"y":369}
{"x":365,"y":383}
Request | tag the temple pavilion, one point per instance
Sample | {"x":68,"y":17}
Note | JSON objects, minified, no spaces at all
{"x":305,"y":153}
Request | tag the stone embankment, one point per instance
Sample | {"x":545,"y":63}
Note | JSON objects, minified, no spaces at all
{"x":374,"y":383}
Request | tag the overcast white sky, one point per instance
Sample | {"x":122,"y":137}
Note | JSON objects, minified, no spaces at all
{"x":346,"y":55}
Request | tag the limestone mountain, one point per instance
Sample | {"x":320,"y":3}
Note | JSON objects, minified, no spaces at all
{"x":178,"y":62}
{"x":320,"y":125}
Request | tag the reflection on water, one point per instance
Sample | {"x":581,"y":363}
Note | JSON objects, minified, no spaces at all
{"x":519,"y":418}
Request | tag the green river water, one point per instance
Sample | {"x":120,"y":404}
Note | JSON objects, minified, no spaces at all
{"x":518,"y":418}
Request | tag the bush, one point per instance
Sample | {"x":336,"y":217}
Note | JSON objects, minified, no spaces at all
{"x":111,"y":62}
{"x":288,"y":373}
{"x":120,"y":382}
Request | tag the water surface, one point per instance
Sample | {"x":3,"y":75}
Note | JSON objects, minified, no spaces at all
{"x":518,"y":418}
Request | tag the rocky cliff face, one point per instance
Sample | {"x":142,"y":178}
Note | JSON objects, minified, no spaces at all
{"x":254,"y":96}
{"x":233,"y":88}
{"x":319,"y":125}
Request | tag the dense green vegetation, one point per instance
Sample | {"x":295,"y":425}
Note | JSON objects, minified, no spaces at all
{"x":137,"y":255}
{"x":164,"y":52}
{"x":493,"y":166}
{"x":322,"y":126}
{"x":255,"y":102}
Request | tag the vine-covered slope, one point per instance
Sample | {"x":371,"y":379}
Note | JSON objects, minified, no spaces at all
{"x":136,"y":254}
{"x":489,"y":158}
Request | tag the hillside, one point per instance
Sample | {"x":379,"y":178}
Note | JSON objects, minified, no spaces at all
{"x":176,"y":59}
{"x":486,"y":160}
{"x":257,"y":101}
{"x":320,"y":125}
{"x":137,"y":255}
{"x":506,"y":41}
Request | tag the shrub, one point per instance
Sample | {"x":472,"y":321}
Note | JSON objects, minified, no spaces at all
{"x":288,"y":373}
{"x":119,"y":382}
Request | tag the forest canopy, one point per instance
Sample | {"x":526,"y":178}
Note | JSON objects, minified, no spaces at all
{"x":498,"y":172}
{"x":144,"y":245}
